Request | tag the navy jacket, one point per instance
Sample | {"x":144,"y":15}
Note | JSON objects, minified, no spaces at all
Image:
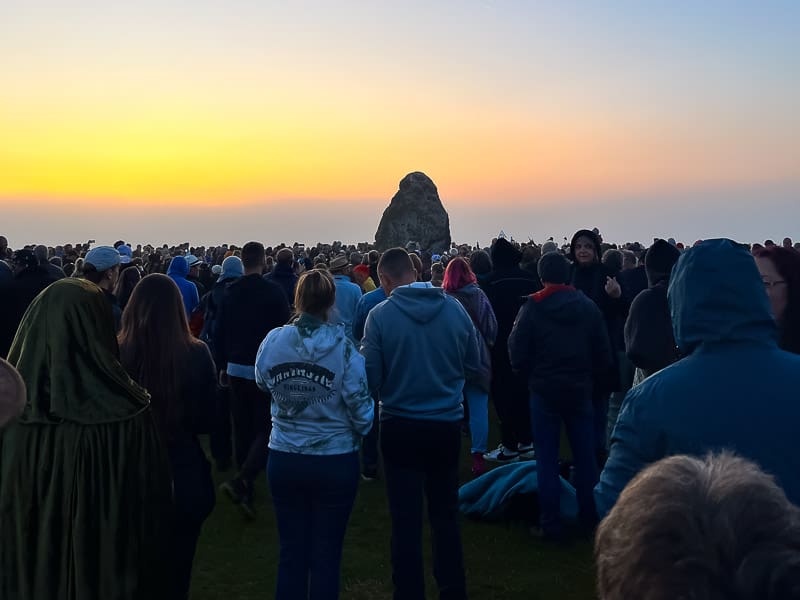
{"x":735,"y":389}
{"x":560,"y":340}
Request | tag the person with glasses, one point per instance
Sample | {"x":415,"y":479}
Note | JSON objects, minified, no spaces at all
{"x":780,"y":272}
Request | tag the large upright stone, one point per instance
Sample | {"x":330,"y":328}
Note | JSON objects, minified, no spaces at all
{"x":415,"y":214}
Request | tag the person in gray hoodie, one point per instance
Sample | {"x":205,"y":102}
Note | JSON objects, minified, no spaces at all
{"x":321,"y":407}
{"x":420,"y":348}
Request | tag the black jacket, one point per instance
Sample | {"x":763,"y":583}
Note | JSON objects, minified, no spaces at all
{"x":285,"y":277}
{"x":212,"y":309}
{"x":507,"y":289}
{"x":15,"y":297}
{"x":633,"y":282}
{"x":649,"y":339}
{"x":251,"y":308}
{"x":560,"y":341}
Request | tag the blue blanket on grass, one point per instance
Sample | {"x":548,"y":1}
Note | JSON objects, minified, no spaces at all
{"x":488,"y":496}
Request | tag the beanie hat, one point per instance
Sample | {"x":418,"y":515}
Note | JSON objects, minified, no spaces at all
{"x":659,"y":260}
{"x":504,"y":254}
{"x":232,"y":268}
{"x":661,"y":256}
{"x":553,"y":268}
{"x":362,"y":269}
{"x":102,"y":258}
{"x":216,"y":270}
{"x":25,"y":258}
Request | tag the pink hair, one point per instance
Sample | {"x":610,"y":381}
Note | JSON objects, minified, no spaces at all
{"x":457,"y":275}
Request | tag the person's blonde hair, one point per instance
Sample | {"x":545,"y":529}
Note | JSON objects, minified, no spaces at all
{"x":712,"y":528}
{"x":315,"y":293}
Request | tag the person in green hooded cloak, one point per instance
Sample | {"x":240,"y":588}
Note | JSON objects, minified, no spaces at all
{"x":84,"y":479}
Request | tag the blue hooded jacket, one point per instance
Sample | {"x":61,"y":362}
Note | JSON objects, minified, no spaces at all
{"x":735,"y":389}
{"x":178,"y":270}
{"x":420,"y":346}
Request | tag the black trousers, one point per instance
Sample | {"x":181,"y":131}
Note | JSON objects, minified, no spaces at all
{"x":420,"y":461}
{"x":250,"y":408}
{"x":509,"y":392}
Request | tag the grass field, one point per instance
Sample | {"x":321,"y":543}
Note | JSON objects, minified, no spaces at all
{"x":238,"y":559}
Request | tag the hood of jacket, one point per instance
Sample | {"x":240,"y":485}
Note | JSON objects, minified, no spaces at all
{"x":595,"y":239}
{"x":469,"y":290}
{"x":317,"y":338}
{"x":505,"y":255}
{"x":420,"y":302}
{"x":559,"y":302}
{"x":178,"y":267}
{"x":716,"y":295}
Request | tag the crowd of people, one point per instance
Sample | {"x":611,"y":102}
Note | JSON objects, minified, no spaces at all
{"x":672,"y":369}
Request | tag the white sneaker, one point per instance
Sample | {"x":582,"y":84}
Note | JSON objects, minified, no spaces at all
{"x":526,"y":452}
{"x":502,"y":455}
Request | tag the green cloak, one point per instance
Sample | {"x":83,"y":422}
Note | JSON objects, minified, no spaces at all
{"x":85,"y":490}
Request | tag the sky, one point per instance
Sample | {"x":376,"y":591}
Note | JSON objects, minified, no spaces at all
{"x":210,"y":121}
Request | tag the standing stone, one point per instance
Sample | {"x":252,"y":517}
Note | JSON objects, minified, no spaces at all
{"x":415,"y":214}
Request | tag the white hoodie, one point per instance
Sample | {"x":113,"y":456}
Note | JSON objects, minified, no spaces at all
{"x":320,"y":400}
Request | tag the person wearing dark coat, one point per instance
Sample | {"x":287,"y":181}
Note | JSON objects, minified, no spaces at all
{"x":30,"y":278}
{"x":283,"y":274}
{"x":649,"y":340}
{"x":561,"y":342}
{"x":506,"y":286}
{"x":251,"y":309}
{"x":733,"y":389}
{"x":592,"y":277}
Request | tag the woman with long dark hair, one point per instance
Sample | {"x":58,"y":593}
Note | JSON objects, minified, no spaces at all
{"x":780,"y":270}
{"x":461,"y":283}
{"x":321,"y":408}
{"x":160,"y":353}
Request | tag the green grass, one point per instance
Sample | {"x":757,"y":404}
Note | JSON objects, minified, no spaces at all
{"x":239,"y":559}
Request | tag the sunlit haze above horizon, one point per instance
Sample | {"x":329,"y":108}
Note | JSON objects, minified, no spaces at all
{"x":206,"y":121}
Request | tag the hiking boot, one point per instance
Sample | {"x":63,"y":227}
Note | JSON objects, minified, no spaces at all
{"x":478,"y":464}
{"x":502,"y":455}
{"x":526,"y":452}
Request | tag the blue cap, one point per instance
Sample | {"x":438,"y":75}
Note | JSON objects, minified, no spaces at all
{"x":102,"y":258}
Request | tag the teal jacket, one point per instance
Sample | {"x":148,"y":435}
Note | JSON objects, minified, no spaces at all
{"x":735,"y":389}
{"x":420,"y":346}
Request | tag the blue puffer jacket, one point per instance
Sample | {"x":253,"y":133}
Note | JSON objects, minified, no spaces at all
{"x":734,"y":390}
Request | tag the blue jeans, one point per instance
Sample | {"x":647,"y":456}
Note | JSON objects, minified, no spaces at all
{"x":313,"y":496}
{"x":420,"y":460}
{"x":478,"y":403}
{"x":546,"y":419}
